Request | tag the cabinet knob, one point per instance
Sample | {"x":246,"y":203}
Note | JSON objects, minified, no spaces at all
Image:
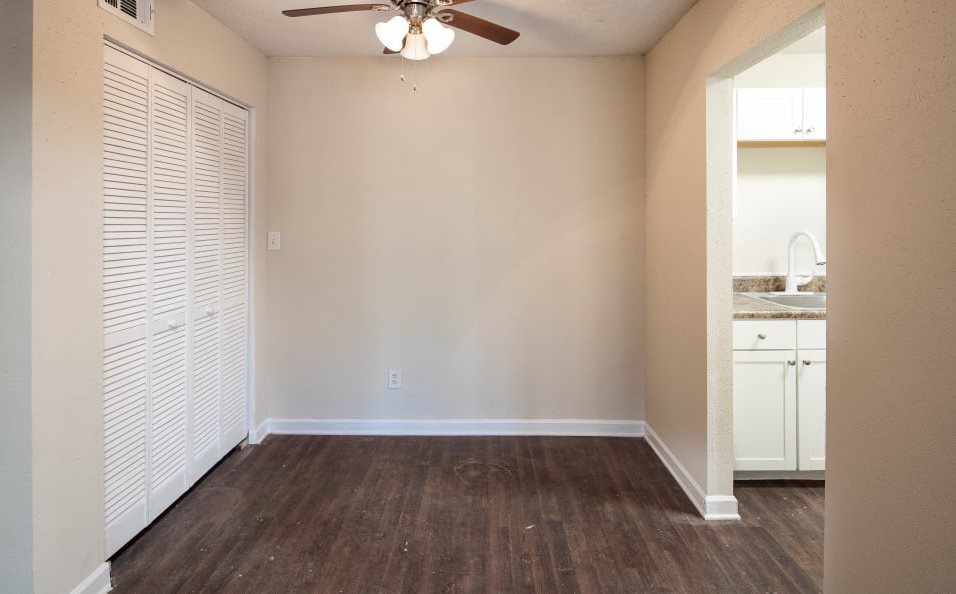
{"x":792,"y":363}
{"x":173,"y":324}
{"x":810,"y":130}
{"x":807,"y":363}
{"x":762,"y":336}
{"x":210,"y":311}
{"x":798,"y":131}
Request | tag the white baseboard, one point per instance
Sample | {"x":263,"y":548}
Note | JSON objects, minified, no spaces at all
{"x":97,"y":582}
{"x":710,"y":507}
{"x":781,"y":475}
{"x":258,"y":433}
{"x":557,"y":427}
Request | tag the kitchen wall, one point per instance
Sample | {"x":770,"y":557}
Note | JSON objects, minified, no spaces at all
{"x":712,"y":34}
{"x":483,"y":234}
{"x":785,"y":70}
{"x":780,"y":190}
{"x":16,"y":98}
{"x":891,"y":489}
{"x":67,"y":246}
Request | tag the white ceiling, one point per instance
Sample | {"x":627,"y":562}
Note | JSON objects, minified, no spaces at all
{"x":548,"y":27}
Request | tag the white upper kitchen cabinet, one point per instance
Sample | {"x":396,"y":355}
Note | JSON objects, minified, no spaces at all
{"x":781,"y":114}
{"x":815,"y":114}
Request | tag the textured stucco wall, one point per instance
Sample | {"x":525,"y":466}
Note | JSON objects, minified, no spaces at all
{"x":891,"y":417}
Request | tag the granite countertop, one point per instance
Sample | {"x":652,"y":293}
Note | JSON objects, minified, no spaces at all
{"x":746,"y":308}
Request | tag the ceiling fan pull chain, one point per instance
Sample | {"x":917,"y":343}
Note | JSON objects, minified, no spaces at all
{"x":402,"y":77}
{"x":415,"y":77}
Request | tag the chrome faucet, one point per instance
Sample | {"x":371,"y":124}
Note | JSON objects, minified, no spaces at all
{"x":794,"y":280}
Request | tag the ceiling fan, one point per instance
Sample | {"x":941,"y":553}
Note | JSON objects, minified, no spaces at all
{"x":419,"y":32}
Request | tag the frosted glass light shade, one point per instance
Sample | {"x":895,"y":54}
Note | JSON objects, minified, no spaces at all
{"x":392,"y":34}
{"x":438,"y":36}
{"x":416,"y":47}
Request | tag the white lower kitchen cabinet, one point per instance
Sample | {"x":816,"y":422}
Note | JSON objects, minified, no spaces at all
{"x":812,"y":415}
{"x":779,"y":395}
{"x":765,"y":410}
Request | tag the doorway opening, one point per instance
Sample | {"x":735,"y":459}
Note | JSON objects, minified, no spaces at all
{"x":779,"y":265}
{"x":750,"y":204}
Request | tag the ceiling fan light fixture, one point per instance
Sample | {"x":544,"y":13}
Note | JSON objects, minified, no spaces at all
{"x":392,"y":33}
{"x":416,"y":47}
{"x":438,"y":37}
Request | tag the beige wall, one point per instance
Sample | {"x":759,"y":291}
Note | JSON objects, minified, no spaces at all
{"x":891,"y":443}
{"x":483,"y":234}
{"x":16,"y":501}
{"x":67,"y":237}
{"x":711,"y":35}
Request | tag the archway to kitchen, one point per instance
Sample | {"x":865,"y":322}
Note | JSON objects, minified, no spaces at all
{"x":729,"y":344}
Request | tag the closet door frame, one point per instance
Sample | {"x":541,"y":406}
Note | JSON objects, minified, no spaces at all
{"x":129,"y":531}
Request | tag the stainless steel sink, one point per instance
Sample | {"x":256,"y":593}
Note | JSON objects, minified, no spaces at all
{"x":815,"y":301}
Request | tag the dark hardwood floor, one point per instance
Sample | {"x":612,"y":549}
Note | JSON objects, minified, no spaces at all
{"x":473,"y":514}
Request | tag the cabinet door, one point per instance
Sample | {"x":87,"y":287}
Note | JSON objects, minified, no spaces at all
{"x":815,"y":114}
{"x":770,"y":114}
{"x":765,"y":410}
{"x":812,"y":404}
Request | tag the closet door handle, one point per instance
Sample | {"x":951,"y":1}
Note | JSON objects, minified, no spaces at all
{"x":210,"y":311}
{"x":792,"y":363}
{"x":807,"y":363}
{"x":173,"y":324}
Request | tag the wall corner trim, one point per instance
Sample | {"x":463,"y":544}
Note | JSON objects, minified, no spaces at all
{"x":555,"y":427}
{"x":97,"y":582}
{"x":710,"y":507}
{"x":259,"y":432}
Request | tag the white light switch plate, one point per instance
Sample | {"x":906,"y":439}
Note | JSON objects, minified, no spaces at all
{"x":394,"y":379}
{"x":274,"y":241}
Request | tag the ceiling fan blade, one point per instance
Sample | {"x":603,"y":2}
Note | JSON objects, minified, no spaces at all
{"x":301,"y":12}
{"x":481,"y":27}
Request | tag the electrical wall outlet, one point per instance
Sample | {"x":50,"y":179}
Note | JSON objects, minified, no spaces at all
{"x":394,"y":379}
{"x":274,"y":241}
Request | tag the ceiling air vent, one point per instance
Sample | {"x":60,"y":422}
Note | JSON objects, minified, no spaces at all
{"x":136,"y":12}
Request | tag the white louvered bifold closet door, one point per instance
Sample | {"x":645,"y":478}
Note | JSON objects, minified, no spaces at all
{"x":125,"y":293}
{"x":175,"y":311}
{"x":234,"y":294}
{"x":206,"y":278}
{"x":169,"y":170}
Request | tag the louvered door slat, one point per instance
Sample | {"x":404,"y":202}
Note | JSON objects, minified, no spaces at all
{"x":169,"y":177}
{"x":125,"y":295}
